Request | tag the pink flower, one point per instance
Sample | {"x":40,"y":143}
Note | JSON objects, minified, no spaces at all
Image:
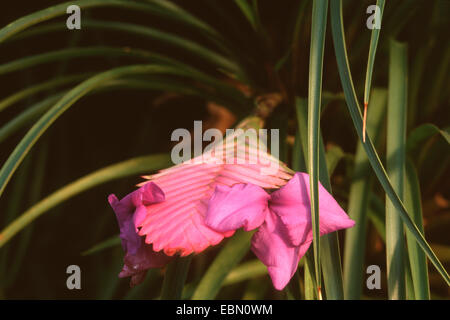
{"x":196,"y":204}
{"x":166,"y":215}
{"x":283,"y":219}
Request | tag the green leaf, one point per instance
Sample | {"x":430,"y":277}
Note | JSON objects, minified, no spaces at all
{"x":395,"y":165}
{"x":230,"y":255}
{"x":358,"y":202}
{"x":32,"y":90}
{"x":71,"y":53}
{"x":66,"y":102}
{"x":172,"y":11}
{"x":217,"y":60}
{"x":164,"y":8}
{"x":372,"y":51}
{"x":174,"y":278}
{"x":318,"y":29}
{"x":310,"y":283}
{"x":423,"y":132}
{"x":112,"y":172}
{"x":331,"y":262}
{"x":353,"y":107}
{"x":245,"y":271}
{"x":105,"y":244}
{"x":378,"y":219}
{"x":27,"y":116}
{"x":333,"y":155}
{"x":58,"y":10}
{"x":417,"y":258}
{"x":25,"y":238}
{"x":247,"y":10}
{"x":12,"y":209}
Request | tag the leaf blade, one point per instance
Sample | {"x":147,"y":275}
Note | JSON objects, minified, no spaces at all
{"x":319,"y":20}
{"x":353,"y":107}
{"x":112,"y":172}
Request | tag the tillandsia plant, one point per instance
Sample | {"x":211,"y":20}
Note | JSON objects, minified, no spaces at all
{"x":354,"y":90}
{"x":193,"y":205}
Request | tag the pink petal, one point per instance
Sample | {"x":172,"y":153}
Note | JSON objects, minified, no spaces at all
{"x":231,"y":208}
{"x":272,"y":246}
{"x":148,"y":194}
{"x":292,"y":204}
{"x":178,"y":223}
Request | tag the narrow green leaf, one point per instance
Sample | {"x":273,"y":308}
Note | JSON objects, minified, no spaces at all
{"x":408,"y":279}
{"x":395,"y":165}
{"x":27,"y":116}
{"x":66,"y":102}
{"x":318,"y":29}
{"x":112,"y":172}
{"x":245,"y":271}
{"x":174,"y":278}
{"x":149,"y":83}
{"x":358,"y":202}
{"x":58,"y":10}
{"x":372,"y":51}
{"x":310,"y":283}
{"x":333,"y":155}
{"x":35,"y":192}
{"x":202,"y":52}
{"x":105,"y":244}
{"x":370,"y":63}
{"x":417,"y":258}
{"x":164,"y":8}
{"x":72,"y":53}
{"x":299,"y":158}
{"x":174,"y":12}
{"x":32,"y":90}
{"x":331,"y":262}
{"x":423,"y":132}
{"x":13,"y":208}
{"x":378,"y":219}
{"x":353,"y":106}
{"x":247,"y":10}
{"x":230,"y":255}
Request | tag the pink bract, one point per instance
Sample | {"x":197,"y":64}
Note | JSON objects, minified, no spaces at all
{"x":283,"y":218}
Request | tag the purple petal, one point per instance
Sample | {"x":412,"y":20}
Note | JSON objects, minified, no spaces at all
{"x":272,"y":246}
{"x":124,"y":210}
{"x":292,"y":204}
{"x":138,"y":256}
{"x":136,"y":265}
{"x":231,"y":208}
